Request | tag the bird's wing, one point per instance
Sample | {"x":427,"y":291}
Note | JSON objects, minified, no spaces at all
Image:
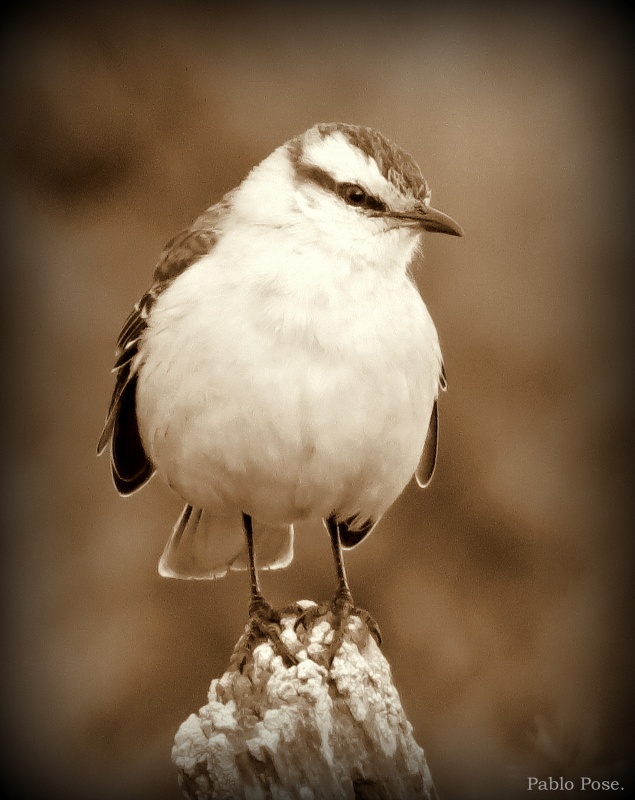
{"x":428,"y":460}
{"x":425,"y":468}
{"x":131,"y":467}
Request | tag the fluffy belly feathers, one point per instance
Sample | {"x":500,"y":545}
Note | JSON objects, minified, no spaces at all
{"x":242,"y":410}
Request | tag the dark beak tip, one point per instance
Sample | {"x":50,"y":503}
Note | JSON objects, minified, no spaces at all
{"x":436,"y":221}
{"x":450,"y":228}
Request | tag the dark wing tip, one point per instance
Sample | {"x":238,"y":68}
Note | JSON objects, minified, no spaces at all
{"x":131,"y":467}
{"x":129,"y":484}
{"x":428,"y":460}
{"x":349,"y":537}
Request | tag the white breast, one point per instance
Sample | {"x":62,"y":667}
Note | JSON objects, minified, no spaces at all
{"x":287,"y":393}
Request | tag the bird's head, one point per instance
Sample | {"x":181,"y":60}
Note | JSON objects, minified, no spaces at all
{"x":347,"y":189}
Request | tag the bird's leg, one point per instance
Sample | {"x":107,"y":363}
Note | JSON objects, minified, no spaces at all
{"x":343,"y":596}
{"x":257,"y":600}
{"x":342,"y":605}
{"x":264,"y":621}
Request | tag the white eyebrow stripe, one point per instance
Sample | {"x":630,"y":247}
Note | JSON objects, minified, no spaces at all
{"x":346,"y":163}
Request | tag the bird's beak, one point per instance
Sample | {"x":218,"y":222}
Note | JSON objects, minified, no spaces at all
{"x":430,"y":220}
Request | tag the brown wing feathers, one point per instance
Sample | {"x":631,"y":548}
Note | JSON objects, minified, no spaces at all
{"x":131,"y":467}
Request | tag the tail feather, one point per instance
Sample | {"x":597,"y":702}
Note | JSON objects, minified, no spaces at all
{"x":205,"y":546}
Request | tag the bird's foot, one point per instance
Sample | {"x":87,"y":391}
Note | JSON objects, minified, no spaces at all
{"x":264,"y":625}
{"x":338,"y":611}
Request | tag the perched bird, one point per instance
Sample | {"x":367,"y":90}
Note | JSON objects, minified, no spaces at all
{"x":283,"y":366}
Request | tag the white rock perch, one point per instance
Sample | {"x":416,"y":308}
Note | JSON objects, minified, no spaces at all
{"x":307,"y":731}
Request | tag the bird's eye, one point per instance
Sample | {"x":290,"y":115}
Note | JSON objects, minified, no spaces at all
{"x":352,"y":194}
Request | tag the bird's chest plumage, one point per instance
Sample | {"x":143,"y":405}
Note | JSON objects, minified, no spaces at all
{"x":287,"y":398}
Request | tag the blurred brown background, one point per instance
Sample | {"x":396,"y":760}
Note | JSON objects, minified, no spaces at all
{"x":503,"y":591}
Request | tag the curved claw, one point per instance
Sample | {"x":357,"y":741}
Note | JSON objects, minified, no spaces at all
{"x":264,"y":624}
{"x":308,"y":616}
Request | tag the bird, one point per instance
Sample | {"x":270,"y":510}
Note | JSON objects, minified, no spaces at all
{"x":283,"y":365}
